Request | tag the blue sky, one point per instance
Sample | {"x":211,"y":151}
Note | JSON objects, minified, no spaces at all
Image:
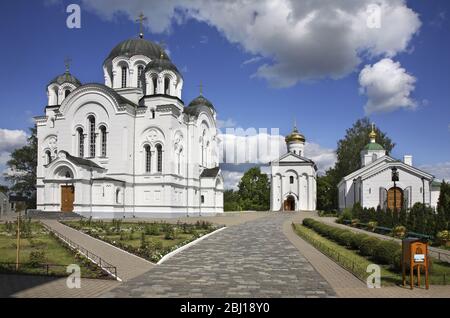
{"x":323,"y":94}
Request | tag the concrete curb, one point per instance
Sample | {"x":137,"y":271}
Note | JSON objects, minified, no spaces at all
{"x":182,"y":248}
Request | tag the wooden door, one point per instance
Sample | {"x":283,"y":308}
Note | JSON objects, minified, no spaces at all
{"x":67,"y":198}
{"x":395,"y":199}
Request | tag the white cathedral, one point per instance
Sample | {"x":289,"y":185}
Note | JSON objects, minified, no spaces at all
{"x":293,"y":178}
{"x":130,"y":147}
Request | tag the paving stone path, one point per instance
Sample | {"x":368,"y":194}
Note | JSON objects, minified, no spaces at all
{"x":253,"y":259}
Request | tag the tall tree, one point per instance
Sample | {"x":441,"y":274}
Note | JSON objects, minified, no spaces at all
{"x":443,"y":207}
{"x":348,"y":153}
{"x":324,"y":186}
{"x":22,"y":168}
{"x":254,"y":190}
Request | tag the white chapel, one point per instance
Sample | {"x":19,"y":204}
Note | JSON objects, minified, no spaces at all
{"x":293,"y":178}
{"x":372,"y":184}
{"x":128,"y":147}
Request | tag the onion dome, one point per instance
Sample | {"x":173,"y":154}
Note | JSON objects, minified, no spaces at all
{"x":295,"y":137}
{"x":132,"y":47}
{"x":373,"y":145}
{"x":162,"y":63}
{"x":66,"y":78}
{"x":200,"y":100}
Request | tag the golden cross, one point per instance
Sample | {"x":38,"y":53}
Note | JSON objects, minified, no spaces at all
{"x":67,"y":62}
{"x":373,"y":127}
{"x":141,"y":19}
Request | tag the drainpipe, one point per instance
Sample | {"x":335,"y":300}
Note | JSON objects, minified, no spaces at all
{"x":91,"y":183}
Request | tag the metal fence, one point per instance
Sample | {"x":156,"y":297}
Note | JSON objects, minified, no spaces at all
{"x":106,"y":266}
{"x":33,"y":268}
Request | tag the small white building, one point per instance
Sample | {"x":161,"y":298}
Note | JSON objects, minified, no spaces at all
{"x":372,"y":184}
{"x":293,"y":178}
{"x":128,"y":147}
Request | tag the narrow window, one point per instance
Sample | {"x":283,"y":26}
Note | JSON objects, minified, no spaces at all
{"x":159,"y":151}
{"x":66,"y":93}
{"x":117,"y":196}
{"x":153,"y":114}
{"x":124,"y":77}
{"x":166,"y":86}
{"x":139,"y":76}
{"x":203,"y":199}
{"x":80,"y":143}
{"x":155,"y":84}
{"x":48,"y":157}
{"x":91,"y":136}
{"x":104,"y":140}
{"x":291,"y":180}
{"x":148,"y":159}
{"x":179,"y":162}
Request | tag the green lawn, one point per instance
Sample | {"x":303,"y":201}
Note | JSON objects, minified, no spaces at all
{"x":357,"y":264}
{"x":150,"y":240}
{"x":37,"y":247}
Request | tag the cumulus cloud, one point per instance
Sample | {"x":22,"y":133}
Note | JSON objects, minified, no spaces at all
{"x":303,"y":40}
{"x":227,"y":123}
{"x":439,"y":170}
{"x":9,"y":140}
{"x":388,"y":87}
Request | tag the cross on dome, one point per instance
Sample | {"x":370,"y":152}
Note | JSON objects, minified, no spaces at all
{"x":141,"y":18}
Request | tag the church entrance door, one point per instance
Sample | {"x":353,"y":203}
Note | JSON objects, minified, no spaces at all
{"x":67,"y":198}
{"x":395,"y":199}
{"x":289,"y":203}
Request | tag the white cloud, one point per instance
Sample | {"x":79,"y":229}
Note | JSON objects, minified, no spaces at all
{"x":204,"y":39}
{"x":252,"y":60}
{"x":305,"y":40}
{"x":388,"y":87}
{"x":232,"y":179}
{"x":439,"y":170}
{"x":11,"y":139}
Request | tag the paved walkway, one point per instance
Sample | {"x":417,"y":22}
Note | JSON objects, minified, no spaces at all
{"x":128,"y":265}
{"x":253,"y":259}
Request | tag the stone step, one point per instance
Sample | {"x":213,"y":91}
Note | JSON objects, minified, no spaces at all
{"x":37,"y":214}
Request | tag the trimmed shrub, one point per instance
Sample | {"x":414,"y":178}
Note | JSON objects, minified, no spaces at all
{"x":399,"y":231}
{"x":356,"y":240}
{"x":388,"y":252}
{"x":368,"y":246}
{"x":344,"y":238}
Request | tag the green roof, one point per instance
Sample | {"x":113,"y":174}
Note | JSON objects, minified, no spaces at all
{"x":373,"y":146}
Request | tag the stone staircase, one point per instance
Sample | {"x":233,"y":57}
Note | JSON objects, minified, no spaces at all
{"x":42,"y":215}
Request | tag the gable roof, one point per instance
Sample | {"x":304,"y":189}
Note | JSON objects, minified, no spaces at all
{"x":381,"y":164}
{"x":291,"y":158}
{"x":81,"y":161}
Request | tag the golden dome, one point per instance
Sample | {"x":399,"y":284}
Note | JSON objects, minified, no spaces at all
{"x":373,"y":134}
{"x":295,"y":136}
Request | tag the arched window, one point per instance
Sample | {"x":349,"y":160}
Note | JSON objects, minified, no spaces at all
{"x":155,"y":84}
{"x":80,"y":142}
{"x":166,"y":86}
{"x":124,"y":76}
{"x":159,"y":152}
{"x":48,"y":157}
{"x":66,"y":93}
{"x":139,"y":76}
{"x":291,"y":180}
{"x":117,"y":196}
{"x":104,"y":140}
{"x":148,"y":159}
{"x":91,"y":136}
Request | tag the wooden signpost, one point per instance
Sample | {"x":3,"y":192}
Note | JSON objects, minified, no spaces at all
{"x":414,"y":255}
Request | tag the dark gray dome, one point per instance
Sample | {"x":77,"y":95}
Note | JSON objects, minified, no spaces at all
{"x":200,"y":100}
{"x":66,"y":78}
{"x":162,"y":63}
{"x":133,"y":47}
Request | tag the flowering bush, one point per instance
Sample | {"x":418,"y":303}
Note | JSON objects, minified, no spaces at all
{"x":399,"y":231}
{"x":372,"y":226}
{"x":443,"y":238}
